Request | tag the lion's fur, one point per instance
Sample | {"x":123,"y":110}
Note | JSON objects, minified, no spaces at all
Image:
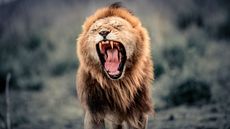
{"x":128,"y":97}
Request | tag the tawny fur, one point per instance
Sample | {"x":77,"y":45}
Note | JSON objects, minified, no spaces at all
{"x":126,"y":99}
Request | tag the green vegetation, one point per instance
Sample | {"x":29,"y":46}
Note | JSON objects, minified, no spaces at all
{"x":175,"y":56}
{"x":189,"y":92}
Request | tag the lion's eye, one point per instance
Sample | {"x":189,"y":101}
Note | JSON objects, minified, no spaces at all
{"x":118,"y":27}
{"x":94,"y":30}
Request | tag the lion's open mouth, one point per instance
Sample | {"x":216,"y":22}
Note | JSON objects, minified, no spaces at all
{"x":112,"y":55}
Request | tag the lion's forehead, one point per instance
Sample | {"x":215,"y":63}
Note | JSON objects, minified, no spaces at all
{"x":111,"y":21}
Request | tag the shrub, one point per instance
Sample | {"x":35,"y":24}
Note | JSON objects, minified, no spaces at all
{"x":189,"y":92}
{"x":186,"y":20}
{"x":25,"y":59}
{"x":158,"y":70}
{"x":174,"y":56}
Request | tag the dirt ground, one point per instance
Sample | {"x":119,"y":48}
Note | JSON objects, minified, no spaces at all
{"x":57,"y":107}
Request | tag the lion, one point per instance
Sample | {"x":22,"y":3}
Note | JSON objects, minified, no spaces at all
{"x":115,"y":71}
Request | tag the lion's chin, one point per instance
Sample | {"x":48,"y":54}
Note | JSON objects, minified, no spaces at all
{"x":112,"y":56}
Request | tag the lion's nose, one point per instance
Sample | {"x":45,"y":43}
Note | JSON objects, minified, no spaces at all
{"x":104,"y":33}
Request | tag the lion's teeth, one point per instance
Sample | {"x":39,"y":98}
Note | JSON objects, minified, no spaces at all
{"x":111,"y":43}
{"x":100,"y":46}
{"x":107,"y":41}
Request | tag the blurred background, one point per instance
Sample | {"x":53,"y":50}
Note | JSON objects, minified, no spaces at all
{"x":190,"y":47}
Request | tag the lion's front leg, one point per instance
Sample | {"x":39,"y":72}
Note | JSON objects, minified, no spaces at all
{"x":143,"y":122}
{"x":116,"y":126}
{"x":90,"y":123}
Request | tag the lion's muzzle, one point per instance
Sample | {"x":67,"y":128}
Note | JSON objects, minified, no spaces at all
{"x":112,"y":56}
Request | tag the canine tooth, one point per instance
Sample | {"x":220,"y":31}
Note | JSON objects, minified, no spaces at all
{"x":100,"y":46}
{"x":111,"y":43}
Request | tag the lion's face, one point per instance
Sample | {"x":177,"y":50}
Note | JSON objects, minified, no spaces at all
{"x":111,"y":41}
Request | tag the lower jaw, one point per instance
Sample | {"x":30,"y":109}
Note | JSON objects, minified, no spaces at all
{"x":114,"y":73}
{"x":115,"y":76}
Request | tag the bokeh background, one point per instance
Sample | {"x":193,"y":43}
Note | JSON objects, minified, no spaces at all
{"x":190,"y":47}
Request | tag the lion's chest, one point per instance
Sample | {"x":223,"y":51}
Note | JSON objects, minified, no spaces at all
{"x":100,"y":100}
{"x":103,"y":101}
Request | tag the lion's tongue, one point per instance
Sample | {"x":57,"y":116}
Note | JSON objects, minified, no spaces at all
{"x":112,"y":62}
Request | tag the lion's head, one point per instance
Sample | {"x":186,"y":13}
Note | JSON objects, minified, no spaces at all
{"x":112,"y":41}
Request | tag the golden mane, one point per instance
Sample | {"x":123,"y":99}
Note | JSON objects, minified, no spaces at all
{"x":113,"y":10}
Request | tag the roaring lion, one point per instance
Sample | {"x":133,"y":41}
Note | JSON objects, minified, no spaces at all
{"x":116,"y":71}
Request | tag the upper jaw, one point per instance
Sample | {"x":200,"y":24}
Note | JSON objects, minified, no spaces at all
{"x":112,"y":55}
